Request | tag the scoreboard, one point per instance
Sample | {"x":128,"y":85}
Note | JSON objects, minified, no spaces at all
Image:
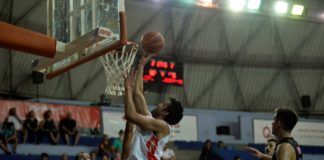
{"x":164,"y":71}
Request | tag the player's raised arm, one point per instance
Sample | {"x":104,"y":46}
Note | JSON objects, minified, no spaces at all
{"x":128,"y":137}
{"x":140,"y":106}
{"x":152,"y":43}
{"x":142,"y":121}
{"x":138,"y":95}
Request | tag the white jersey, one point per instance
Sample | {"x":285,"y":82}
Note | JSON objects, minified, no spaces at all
{"x":168,"y":154}
{"x":146,"y":146}
{"x":15,"y":121}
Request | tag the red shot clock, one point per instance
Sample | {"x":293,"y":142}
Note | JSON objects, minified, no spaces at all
{"x":163,"y":70}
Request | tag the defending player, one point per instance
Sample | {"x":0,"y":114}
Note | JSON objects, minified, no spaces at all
{"x":287,"y":148}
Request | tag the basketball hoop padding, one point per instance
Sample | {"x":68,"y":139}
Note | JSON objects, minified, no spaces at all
{"x":20,"y":39}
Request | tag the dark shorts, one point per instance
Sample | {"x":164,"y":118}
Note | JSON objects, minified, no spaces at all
{"x":64,"y":132}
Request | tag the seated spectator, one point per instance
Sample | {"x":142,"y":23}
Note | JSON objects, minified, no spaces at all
{"x":48,"y":128}
{"x":68,"y":128}
{"x":218,"y":149}
{"x":9,"y":135}
{"x":104,"y":101}
{"x":64,"y":156}
{"x":93,"y":155}
{"x":210,"y":153}
{"x":82,"y":156}
{"x":206,"y":153}
{"x":168,"y":154}
{"x":13,"y":117}
{"x":104,"y":137}
{"x":118,"y":144}
{"x":30,"y":127}
{"x":220,"y":145}
{"x":105,"y":148}
{"x":105,"y":157}
{"x":95,"y":131}
{"x":237,"y":157}
{"x":44,"y":156}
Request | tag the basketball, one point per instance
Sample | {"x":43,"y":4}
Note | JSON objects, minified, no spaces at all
{"x":152,"y":42}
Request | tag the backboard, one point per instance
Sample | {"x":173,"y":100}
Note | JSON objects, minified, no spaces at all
{"x":84,"y":30}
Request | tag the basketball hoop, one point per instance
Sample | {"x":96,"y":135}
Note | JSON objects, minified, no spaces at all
{"x":117,"y":64}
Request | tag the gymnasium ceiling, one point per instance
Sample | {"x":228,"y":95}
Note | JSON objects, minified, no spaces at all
{"x":232,"y":61}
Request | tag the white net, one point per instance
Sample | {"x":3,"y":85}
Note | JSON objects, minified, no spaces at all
{"x":117,"y":63}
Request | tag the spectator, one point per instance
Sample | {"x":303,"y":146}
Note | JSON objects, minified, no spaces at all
{"x":64,"y":156}
{"x":44,"y":156}
{"x":206,"y":153}
{"x":220,"y":145}
{"x":168,"y":154}
{"x":105,"y":148}
{"x":12,"y":117}
{"x":105,"y":136}
{"x":48,"y":128}
{"x":93,"y":155}
{"x":218,"y":149}
{"x":237,"y":157}
{"x":104,"y":101}
{"x":118,"y":144}
{"x":68,"y":128}
{"x":209,"y":152}
{"x":105,"y":157}
{"x":82,"y":156}
{"x":95,"y":131}
{"x":30,"y":127}
{"x":9,"y":135}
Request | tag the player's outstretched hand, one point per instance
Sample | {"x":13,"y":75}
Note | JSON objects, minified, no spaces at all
{"x":129,"y":80}
{"x":145,"y":58}
{"x":254,"y":152}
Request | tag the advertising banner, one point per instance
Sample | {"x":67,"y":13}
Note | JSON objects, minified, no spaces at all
{"x":85,"y":116}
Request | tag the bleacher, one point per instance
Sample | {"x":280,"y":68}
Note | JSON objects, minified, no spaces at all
{"x":191,"y":150}
{"x":29,"y":157}
{"x":32,"y":151}
{"x":305,"y":149}
{"x":183,"y":149}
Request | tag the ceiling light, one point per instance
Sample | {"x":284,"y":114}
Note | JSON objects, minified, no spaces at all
{"x":297,"y":9}
{"x":281,"y":7}
{"x":254,"y":4}
{"x":237,"y":5}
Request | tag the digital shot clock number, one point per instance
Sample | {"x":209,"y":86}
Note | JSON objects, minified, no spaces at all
{"x":163,"y":70}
